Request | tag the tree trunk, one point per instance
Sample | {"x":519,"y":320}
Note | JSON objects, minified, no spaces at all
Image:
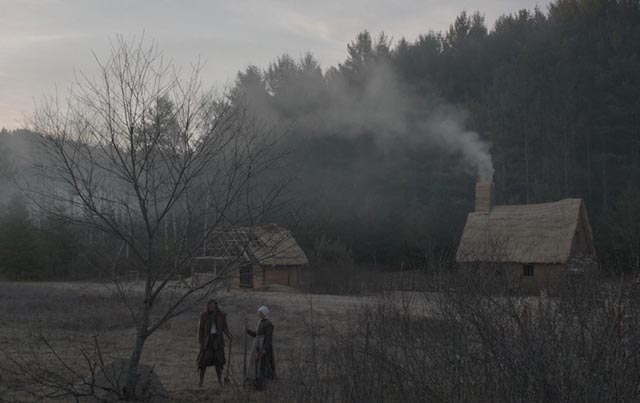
{"x":526,"y":168}
{"x":129,"y":390}
{"x":589,"y":184}
{"x":605,"y":204}
{"x":566,"y":161}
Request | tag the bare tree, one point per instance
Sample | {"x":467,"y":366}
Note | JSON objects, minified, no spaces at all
{"x":152,"y":166}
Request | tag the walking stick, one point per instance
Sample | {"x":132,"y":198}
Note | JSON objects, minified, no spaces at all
{"x":226,"y":377}
{"x":244,"y":362}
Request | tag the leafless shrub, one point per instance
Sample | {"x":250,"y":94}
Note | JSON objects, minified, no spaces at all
{"x":578,"y":343}
{"x":303,"y":375}
{"x":42,"y":369}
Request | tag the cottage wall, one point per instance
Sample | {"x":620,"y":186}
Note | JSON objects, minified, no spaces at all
{"x":282,"y":275}
{"x":276,"y":275}
{"x":258,"y":277}
{"x":234,"y":280}
{"x":263,"y":276}
{"x":544,"y":276}
{"x":501,"y":277}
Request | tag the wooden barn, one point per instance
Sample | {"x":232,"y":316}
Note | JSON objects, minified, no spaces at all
{"x":259,"y":256}
{"x":531,"y":245}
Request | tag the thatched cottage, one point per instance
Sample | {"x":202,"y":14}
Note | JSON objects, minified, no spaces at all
{"x":257,"y":256}
{"x":532,"y":244}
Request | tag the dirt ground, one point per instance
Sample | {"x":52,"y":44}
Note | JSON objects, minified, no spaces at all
{"x":76,"y":311}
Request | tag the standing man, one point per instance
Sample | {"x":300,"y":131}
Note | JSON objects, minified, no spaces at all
{"x":213,"y":323}
{"x":262,"y":364}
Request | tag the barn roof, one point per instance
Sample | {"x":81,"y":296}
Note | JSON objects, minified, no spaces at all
{"x":530,"y":233}
{"x":268,"y":245}
{"x":276,"y":247}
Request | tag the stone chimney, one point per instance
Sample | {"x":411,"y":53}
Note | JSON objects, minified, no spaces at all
{"x":485,"y":197}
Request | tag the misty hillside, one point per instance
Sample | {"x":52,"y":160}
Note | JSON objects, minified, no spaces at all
{"x":384,"y":148}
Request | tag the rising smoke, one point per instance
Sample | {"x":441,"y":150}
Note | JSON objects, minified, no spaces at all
{"x":446,"y":127}
{"x":382,"y":106}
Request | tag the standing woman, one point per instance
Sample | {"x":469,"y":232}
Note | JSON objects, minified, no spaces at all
{"x":212,"y":326}
{"x":262,"y":365}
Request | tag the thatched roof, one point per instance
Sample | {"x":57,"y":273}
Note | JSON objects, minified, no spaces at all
{"x":276,"y":247}
{"x":269,"y":245}
{"x":531,"y":233}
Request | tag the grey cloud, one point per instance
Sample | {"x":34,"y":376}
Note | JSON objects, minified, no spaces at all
{"x":44,"y":40}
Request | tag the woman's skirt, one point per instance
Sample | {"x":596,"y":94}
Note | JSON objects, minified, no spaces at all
{"x":253,"y":366}
{"x":261,"y":367}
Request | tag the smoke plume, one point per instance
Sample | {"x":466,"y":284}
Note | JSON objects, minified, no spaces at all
{"x":382,"y":106}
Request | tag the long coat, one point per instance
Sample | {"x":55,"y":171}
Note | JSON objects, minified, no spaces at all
{"x":262,"y":365}
{"x":205,"y":358}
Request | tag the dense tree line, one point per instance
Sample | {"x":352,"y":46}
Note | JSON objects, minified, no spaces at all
{"x":556,"y":93}
{"x":372,"y":157}
{"x":34,"y":247}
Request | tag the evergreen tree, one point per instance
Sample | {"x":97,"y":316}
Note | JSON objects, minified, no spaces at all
{"x":18,"y":242}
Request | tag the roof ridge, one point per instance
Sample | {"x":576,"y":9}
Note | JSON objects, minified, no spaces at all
{"x":534,"y":233}
{"x":578,"y":199}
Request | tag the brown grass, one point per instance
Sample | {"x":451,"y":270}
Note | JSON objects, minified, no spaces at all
{"x":69,"y":312}
{"x":579,"y":343}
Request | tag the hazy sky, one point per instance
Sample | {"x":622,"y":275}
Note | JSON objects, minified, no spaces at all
{"x":43,"y":41}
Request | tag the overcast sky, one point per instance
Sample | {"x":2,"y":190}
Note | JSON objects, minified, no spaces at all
{"x":43,"y":41}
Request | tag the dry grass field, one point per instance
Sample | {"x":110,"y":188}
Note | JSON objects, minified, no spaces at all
{"x":578,"y":344}
{"x":71,"y":313}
